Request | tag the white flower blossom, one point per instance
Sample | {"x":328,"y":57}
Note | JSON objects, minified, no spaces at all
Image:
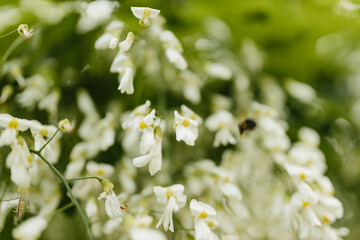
{"x":223,"y":124}
{"x":174,"y":199}
{"x":31,"y":229}
{"x":94,"y":14}
{"x":123,"y":65}
{"x":112,"y":205}
{"x":204,"y":220}
{"x":111,"y":36}
{"x":144,"y":14}
{"x":186,"y":129}
{"x":126,"y":44}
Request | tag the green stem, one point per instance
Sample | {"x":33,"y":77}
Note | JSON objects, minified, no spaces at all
{"x":8,"y":200}
{"x":57,"y":130}
{"x":62,"y":209}
{"x":12,"y":47}
{"x":7,"y":34}
{"x":84,"y":178}
{"x":72,"y":197}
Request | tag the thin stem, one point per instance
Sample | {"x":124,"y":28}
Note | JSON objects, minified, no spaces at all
{"x":8,"y":200}
{"x":18,"y":207}
{"x":7,"y":34}
{"x":57,"y":130}
{"x":62,"y":209}
{"x":83,"y":178}
{"x":72,"y":197}
{"x":12,"y":47}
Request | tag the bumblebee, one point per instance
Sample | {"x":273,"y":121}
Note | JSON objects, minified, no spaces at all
{"x":247,"y":125}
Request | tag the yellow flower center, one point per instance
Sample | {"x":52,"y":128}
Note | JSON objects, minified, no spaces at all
{"x":186,"y":122}
{"x":302,"y":176}
{"x":142,"y":124}
{"x":13,"y":124}
{"x":146,"y":12}
{"x":44,"y":132}
{"x":30,"y":159}
{"x":169,"y":193}
{"x":211,"y":223}
{"x":305,"y":203}
{"x":203,"y":214}
{"x":326,"y":220}
{"x":100,"y":171}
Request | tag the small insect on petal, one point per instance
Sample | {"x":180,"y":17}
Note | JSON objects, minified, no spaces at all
{"x":247,"y":125}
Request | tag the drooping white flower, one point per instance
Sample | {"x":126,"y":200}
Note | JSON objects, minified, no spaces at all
{"x":300,"y":91}
{"x":192,"y":85}
{"x":223,"y":124}
{"x":111,"y":36}
{"x":173,"y":49}
{"x":50,"y":102}
{"x":176,"y":58}
{"x":126,"y":44}
{"x":144,"y":14}
{"x":40,"y":132}
{"x":123,"y":65}
{"x":218,"y":70}
{"x":136,"y":116}
{"x":174,"y":199}
{"x":112,"y":205}
{"x":94,"y":14}
{"x":204,"y":220}
{"x":31,"y":229}
{"x":12,"y":126}
{"x":186,"y":129}
{"x":154,"y":155}
{"x":19,"y":160}
{"x":6,"y":92}
{"x":36,"y":89}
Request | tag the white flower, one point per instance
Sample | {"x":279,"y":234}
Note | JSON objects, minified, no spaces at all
{"x":126,"y":80}
{"x":31,"y":229}
{"x":94,"y":14}
{"x":192,"y":86}
{"x":176,"y":58}
{"x":218,"y":70}
{"x":36,"y":89}
{"x":146,"y":233}
{"x":174,"y":199}
{"x":126,"y":44}
{"x":186,"y":129}
{"x":137,"y":115}
{"x":204,"y":220}
{"x":19,"y":160}
{"x":300,"y":91}
{"x":50,"y":102}
{"x":111,"y":36}
{"x":223,"y":123}
{"x":154,"y":157}
{"x":170,"y":41}
{"x":122,"y":64}
{"x":40,"y":132}
{"x":12,"y":126}
{"x":144,"y":14}
{"x":6,"y":92}
{"x":24,"y":30}
{"x":112,"y":205}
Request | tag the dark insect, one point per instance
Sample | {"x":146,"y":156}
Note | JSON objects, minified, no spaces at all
{"x":247,"y":125}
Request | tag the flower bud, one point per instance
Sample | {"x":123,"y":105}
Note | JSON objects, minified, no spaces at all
{"x":66,"y":126}
{"x":23,"y":30}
